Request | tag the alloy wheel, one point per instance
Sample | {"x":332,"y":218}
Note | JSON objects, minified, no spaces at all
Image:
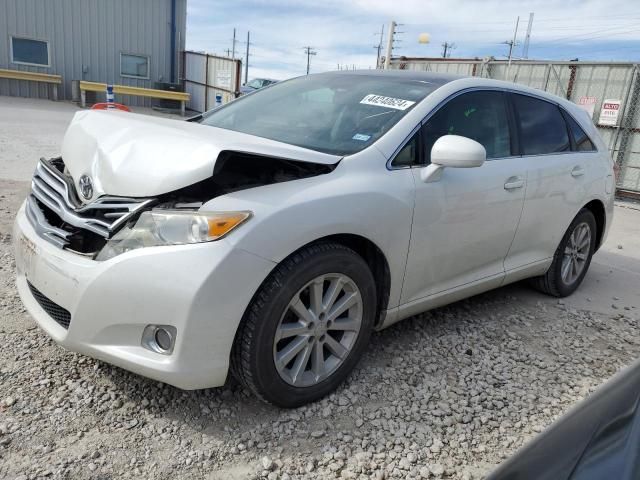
{"x":576,"y":253}
{"x":318,"y":330}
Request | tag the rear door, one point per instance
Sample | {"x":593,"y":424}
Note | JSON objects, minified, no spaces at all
{"x":556,"y":167}
{"x":464,"y":223}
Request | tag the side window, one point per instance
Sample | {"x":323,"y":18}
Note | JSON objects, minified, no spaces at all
{"x":481,"y":116}
{"x":542,"y":127}
{"x":30,"y":52}
{"x":134,"y":65}
{"x":581,"y":141}
{"x":408,"y":155}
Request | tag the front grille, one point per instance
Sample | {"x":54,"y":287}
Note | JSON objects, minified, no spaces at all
{"x":55,"y":311}
{"x":55,"y":211}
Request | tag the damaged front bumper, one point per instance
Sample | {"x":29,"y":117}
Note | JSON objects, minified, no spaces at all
{"x":202,"y":290}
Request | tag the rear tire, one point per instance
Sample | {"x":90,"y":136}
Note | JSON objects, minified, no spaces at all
{"x":572,"y":258}
{"x":292,"y":347}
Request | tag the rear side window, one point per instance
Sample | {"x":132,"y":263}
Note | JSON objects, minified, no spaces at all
{"x":581,"y":141}
{"x":481,"y":116}
{"x":542,"y":126}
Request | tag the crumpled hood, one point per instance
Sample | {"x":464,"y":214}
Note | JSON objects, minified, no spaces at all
{"x":142,"y":156}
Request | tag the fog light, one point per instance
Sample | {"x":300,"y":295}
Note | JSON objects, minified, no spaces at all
{"x":163,"y":339}
{"x":159,"y":338}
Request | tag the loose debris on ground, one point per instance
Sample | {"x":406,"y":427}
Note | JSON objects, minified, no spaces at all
{"x":447,"y":394}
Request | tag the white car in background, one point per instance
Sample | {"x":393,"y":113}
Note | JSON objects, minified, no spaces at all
{"x":271,"y":236}
{"x":256,"y":84}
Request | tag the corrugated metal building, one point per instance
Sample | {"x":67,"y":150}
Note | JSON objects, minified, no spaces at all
{"x":123,"y":42}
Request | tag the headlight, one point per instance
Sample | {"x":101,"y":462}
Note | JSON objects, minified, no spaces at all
{"x":172,"y":227}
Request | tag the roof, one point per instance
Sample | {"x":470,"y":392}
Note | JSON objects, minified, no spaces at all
{"x":432,"y":77}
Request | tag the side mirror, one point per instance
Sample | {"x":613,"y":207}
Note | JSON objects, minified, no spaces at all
{"x":457,"y":152}
{"x":453,"y":151}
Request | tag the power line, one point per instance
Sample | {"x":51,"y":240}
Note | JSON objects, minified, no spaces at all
{"x":616,"y":31}
{"x":577,"y":19}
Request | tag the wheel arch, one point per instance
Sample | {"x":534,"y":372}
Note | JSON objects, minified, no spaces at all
{"x":376,"y":260}
{"x":596,"y":207}
{"x":371,"y":254}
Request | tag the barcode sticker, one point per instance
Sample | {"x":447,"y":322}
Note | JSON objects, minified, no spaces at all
{"x":388,"y":102}
{"x":361,"y":137}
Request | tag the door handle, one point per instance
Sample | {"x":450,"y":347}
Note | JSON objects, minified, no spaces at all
{"x":514,"y":183}
{"x":577,"y":171}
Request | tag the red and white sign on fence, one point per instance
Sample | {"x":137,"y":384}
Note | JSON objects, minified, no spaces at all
{"x":610,"y":112}
{"x":588,"y":104}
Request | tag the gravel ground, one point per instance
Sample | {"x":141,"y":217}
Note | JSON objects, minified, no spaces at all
{"x":447,"y":394}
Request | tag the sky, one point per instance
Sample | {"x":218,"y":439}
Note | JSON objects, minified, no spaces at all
{"x":345,"y":33}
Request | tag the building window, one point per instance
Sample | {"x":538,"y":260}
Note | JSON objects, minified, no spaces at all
{"x":27,"y":51}
{"x":136,"y":66}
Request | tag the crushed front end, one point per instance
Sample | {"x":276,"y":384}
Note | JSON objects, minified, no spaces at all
{"x":112,"y":309}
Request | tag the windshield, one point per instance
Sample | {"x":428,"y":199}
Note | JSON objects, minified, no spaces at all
{"x":338,"y":114}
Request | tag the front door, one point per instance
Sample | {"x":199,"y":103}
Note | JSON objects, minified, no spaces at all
{"x":465,"y":222}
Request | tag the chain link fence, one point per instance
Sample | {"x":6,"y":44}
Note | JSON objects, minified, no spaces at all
{"x":609,"y":91}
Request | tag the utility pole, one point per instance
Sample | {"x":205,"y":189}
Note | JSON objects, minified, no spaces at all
{"x":246,"y":65}
{"x":512,"y":43}
{"x":525,"y":49}
{"x":233,"y":46}
{"x":309,"y":51}
{"x":379,"y":46}
{"x":228,"y":50}
{"x":446,"y":49}
{"x":392,"y":32}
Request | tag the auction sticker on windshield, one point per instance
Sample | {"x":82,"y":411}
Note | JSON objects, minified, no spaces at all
{"x":388,"y":102}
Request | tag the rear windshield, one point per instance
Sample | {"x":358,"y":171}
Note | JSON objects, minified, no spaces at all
{"x":337,"y":114}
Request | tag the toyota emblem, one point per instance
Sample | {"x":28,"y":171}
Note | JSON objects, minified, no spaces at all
{"x":86,"y":186}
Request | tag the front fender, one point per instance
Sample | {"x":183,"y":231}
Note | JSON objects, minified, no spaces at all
{"x":353,"y":199}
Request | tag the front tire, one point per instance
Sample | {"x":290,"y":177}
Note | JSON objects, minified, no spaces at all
{"x":571,"y":259}
{"x":307,"y":326}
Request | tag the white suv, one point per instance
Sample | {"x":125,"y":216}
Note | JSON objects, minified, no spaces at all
{"x":274,"y":234}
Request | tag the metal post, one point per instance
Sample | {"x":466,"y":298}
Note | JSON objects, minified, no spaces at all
{"x":173,"y":41}
{"x":379,"y":47}
{"x":547,"y":74}
{"x":206,"y":83}
{"x":392,"y":32}
{"x":625,"y":103}
{"x":233,"y":48}
{"x":110,"y":96}
{"x":246,"y":65}
{"x":513,"y":42}
{"x":572,"y":81}
{"x":626,"y":123}
{"x":525,"y":50}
